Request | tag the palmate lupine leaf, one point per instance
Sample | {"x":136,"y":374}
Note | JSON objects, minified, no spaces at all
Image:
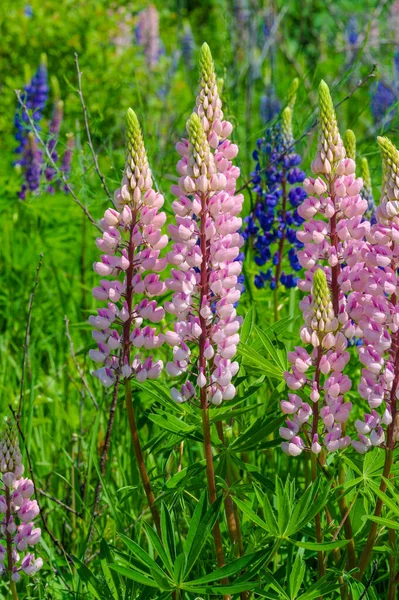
{"x":159,"y":576}
{"x":292,"y":513}
{"x":252,"y":358}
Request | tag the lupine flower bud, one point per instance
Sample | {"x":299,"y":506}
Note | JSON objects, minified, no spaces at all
{"x":350,"y":144}
{"x":367,"y":191}
{"x":286,"y":127}
{"x":291,"y":96}
{"x":321,"y":317}
{"x":389,"y":204}
{"x":131,"y":242}
{"x":17,"y":529}
{"x":330,"y":146}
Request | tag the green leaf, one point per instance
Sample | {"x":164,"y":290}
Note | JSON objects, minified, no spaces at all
{"x":322,"y":587}
{"x":168,"y":536}
{"x":203,"y":529}
{"x":297,"y":574}
{"x":156,"y":571}
{"x":256,"y":433}
{"x":274,"y":584}
{"x":284,"y":507}
{"x":179,"y":567}
{"x":198,"y":515}
{"x":110,"y":577}
{"x":231,"y":569}
{"x":252,"y":516}
{"x":172,"y":423}
{"x":323,"y":546}
{"x":247,"y":325}
{"x":135,"y":575}
{"x":278,"y":356}
{"x":391,"y":504}
{"x":254,"y":359}
{"x":268,"y":513}
{"x":385,"y":522}
{"x":99,"y":590}
{"x":158,"y":546}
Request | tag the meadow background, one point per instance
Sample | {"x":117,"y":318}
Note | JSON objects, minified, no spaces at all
{"x":259,"y":47}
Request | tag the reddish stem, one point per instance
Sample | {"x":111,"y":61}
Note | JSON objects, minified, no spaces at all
{"x":210,"y":473}
{"x":128,"y":392}
{"x":315,"y":423}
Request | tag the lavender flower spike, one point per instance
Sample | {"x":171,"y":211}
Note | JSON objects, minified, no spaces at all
{"x":18,"y":532}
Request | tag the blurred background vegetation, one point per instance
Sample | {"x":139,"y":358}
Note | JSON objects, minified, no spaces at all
{"x":259,"y":46}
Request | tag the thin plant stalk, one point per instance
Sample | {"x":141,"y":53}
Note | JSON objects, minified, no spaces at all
{"x":140,"y":457}
{"x":280,"y":248}
{"x":315,"y":408}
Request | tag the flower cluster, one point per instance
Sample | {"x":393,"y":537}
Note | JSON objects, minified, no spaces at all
{"x":372,"y":304}
{"x":131,"y":242}
{"x":147,"y":35}
{"x":274,"y":222}
{"x":187,"y":45}
{"x":33,"y":161}
{"x":333,"y":243}
{"x":384,"y":96}
{"x":328,"y":359}
{"x":269,"y":104}
{"x":18,"y":531}
{"x":35,"y":96}
{"x":205,"y":269}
